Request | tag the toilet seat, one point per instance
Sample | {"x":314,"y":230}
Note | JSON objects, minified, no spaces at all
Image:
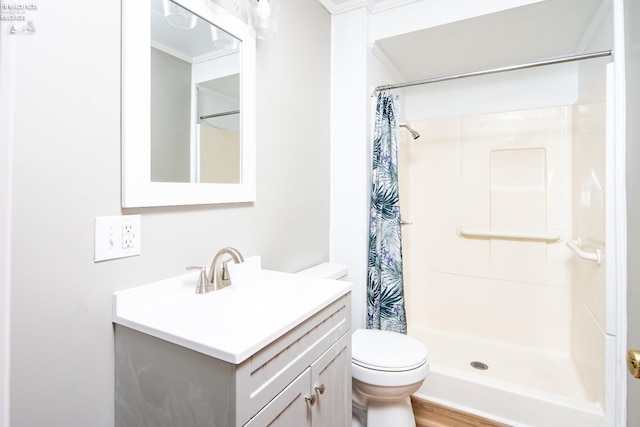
{"x":387,"y":351}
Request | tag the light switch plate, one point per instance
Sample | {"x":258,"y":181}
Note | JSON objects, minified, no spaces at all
{"x":117,"y":237}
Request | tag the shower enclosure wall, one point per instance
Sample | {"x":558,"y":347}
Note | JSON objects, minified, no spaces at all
{"x":524,"y":309}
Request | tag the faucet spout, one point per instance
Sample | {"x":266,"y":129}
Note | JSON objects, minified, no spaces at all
{"x":219,"y":272}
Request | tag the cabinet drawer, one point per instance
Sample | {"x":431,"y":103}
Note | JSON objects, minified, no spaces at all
{"x":271,"y":369}
{"x":289,"y":408}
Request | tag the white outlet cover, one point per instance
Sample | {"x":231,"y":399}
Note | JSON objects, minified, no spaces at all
{"x":113,"y":240}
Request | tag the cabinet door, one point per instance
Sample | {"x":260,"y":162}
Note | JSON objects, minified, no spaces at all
{"x":289,"y":408}
{"x":331,"y":384}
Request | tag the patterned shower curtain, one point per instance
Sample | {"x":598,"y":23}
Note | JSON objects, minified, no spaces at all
{"x":385,"y":293}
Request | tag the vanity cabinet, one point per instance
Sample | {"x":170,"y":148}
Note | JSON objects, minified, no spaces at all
{"x":319,"y":397}
{"x":160,"y":383}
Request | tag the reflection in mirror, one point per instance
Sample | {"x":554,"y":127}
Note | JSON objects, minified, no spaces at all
{"x":195,"y":99}
{"x":219,"y":132}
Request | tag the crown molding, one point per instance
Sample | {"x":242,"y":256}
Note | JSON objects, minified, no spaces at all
{"x":336,"y":7}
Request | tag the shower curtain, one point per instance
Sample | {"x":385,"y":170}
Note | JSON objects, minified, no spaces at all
{"x":385,"y":293}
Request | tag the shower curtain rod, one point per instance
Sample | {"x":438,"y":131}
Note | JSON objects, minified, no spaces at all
{"x":550,"y":61}
{"x":226,"y":113}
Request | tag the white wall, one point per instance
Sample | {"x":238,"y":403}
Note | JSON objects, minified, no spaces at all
{"x":292,"y":210}
{"x":349,"y":161}
{"x":66,"y":171}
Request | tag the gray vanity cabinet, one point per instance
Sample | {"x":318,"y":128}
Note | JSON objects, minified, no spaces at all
{"x":289,"y":408}
{"x":159,"y":383}
{"x":333,"y":370}
{"x":319,"y":397}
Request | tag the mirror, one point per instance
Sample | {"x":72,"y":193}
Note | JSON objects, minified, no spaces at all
{"x":188,"y":113}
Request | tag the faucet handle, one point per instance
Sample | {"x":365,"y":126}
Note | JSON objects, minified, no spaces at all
{"x":203,"y":280}
{"x":225,"y":271}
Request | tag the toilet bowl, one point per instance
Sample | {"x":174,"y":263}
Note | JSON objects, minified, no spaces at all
{"x":386,"y":368}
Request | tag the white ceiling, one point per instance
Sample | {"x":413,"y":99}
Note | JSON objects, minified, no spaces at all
{"x":537,"y":31}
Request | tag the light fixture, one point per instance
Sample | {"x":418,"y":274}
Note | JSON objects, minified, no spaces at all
{"x":262,"y":15}
{"x":263,"y":18}
{"x":178,"y":16}
{"x":223,"y":40}
{"x":223,"y":6}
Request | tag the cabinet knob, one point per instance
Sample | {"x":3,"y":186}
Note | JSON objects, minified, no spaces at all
{"x":311,"y":400}
{"x":320,"y":389}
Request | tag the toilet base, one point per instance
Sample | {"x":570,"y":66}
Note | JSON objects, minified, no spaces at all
{"x":384,"y":406}
{"x":396,"y":413}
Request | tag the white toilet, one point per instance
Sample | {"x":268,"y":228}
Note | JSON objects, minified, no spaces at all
{"x":386,"y":368}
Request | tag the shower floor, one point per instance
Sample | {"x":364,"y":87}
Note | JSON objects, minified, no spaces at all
{"x":522,"y":386}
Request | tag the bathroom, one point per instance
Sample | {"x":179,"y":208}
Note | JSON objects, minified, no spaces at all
{"x":57,"y":340}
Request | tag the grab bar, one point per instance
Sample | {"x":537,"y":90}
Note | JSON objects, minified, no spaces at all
{"x":576,"y":247}
{"x":549,"y":237}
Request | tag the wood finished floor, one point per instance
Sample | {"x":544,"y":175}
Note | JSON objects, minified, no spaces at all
{"x":429,"y":414}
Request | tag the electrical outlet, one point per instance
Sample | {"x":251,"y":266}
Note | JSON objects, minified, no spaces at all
{"x":128,"y":236}
{"x":116,"y":237}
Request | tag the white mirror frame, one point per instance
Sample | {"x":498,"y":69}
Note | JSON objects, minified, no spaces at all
{"x":137,"y":188}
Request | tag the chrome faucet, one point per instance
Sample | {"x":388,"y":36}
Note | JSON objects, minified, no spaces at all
{"x":219,"y":272}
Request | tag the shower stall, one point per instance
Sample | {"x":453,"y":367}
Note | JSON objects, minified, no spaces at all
{"x":506,"y":212}
{"x":504,"y":249}
{"x":510,"y":198}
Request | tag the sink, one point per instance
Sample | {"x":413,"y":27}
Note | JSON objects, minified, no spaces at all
{"x":230,"y":324}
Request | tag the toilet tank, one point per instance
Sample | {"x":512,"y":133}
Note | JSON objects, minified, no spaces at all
{"x":326,"y":270}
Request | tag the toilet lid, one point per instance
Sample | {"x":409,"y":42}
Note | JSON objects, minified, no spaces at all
{"x":386,"y":350}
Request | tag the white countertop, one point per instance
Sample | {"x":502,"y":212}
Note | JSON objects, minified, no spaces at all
{"x":230,"y":324}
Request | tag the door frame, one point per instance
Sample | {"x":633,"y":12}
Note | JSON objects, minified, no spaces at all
{"x":627,"y":48}
{"x":617,"y":223}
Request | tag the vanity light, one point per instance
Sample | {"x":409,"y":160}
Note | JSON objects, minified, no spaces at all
{"x":263,"y":18}
{"x":262,"y":15}
{"x":223,"y":40}
{"x":178,"y":16}
{"x":223,"y":6}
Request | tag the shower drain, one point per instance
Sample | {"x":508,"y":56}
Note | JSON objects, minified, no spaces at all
{"x":479,"y":365}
